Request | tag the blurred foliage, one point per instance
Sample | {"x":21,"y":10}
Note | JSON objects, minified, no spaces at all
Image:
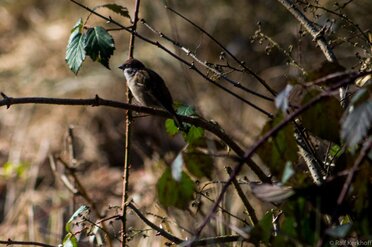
{"x":35,"y":204}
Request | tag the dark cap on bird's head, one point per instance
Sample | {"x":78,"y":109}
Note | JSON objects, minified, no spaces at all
{"x":132,"y":63}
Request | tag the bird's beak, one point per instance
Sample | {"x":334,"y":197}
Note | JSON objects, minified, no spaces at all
{"x":122,"y":66}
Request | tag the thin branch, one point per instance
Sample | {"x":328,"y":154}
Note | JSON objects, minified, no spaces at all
{"x":176,"y":240}
{"x":10,"y":242}
{"x":250,"y":210}
{"x":97,"y":101}
{"x":161,"y":231}
{"x":127,"y":138}
{"x":241,"y":63}
{"x":205,"y":64}
{"x":160,"y":46}
{"x":363,"y":154}
{"x":264,"y":138}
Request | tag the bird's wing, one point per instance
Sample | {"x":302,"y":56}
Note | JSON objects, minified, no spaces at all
{"x":160,"y":91}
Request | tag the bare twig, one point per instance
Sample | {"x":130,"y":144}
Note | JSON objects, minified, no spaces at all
{"x":10,"y":242}
{"x":207,"y":65}
{"x":241,"y":63}
{"x":161,"y":231}
{"x":250,"y":210}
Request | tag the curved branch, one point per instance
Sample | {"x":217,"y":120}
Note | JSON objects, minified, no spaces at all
{"x":97,"y":101}
{"x":248,"y":154}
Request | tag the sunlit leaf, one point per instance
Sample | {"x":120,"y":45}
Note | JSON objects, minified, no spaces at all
{"x":177,"y":166}
{"x":118,"y":9}
{"x":171,"y":127}
{"x":75,"y":52}
{"x":323,"y":118}
{"x":82,"y":209}
{"x":69,"y":240}
{"x":172,"y":193}
{"x":356,"y":123}
{"x":281,"y":100}
{"x":99,"y":45}
{"x":271,"y":192}
{"x":288,"y":172}
{"x":280,"y":148}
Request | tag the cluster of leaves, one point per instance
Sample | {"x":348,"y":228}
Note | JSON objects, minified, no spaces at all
{"x":94,"y":42}
{"x":344,"y":132}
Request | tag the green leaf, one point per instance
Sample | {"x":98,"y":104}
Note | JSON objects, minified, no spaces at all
{"x":198,"y":164}
{"x":99,"y":45}
{"x":185,"y":110}
{"x":173,"y":193}
{"x":171,"y":127}
{"x":280,"y":148}
{"x":323,"y":118}
{"x":82,"y":209}
{"x":194,"y":134}
{"x":75,"y":53}
{"x":356,"y":123}
{"x":70,"y":240}
{"x":263,"y":230}
{"x":118,"y":9}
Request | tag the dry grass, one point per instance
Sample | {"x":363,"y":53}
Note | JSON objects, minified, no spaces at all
{"x":34,"y":204}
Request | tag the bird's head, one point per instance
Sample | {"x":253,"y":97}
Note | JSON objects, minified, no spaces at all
{"x":130,"y":67}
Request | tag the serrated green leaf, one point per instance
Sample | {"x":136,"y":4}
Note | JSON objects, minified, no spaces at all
{"x":99,"y":45}
{"x":171,"y":127}
{"x":194,"y":134}
{"x":185,"y":110}
{"x":118,"y":9}
{"x":75,"y":52}
{"x":69,"y":240}
{"x":198,"y":164}
{"x":82,"y":209}
{"x":173,"y":193}
{"x":356,"y":123}
{"x":280,"y":148}
{"x":323,"y":118}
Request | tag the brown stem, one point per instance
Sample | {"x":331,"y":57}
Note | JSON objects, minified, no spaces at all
{"x":128,"y":120}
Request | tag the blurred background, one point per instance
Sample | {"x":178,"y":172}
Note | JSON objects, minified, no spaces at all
{"x":34,"y":204}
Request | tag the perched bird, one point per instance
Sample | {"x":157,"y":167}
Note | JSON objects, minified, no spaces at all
{"x":148,"y":88}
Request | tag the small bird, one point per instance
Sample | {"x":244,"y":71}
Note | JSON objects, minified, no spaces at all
{"x":147,"y":87}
